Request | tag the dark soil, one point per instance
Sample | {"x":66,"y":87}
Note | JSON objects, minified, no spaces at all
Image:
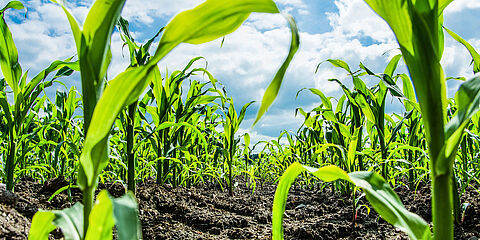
{"x":205,"y":212}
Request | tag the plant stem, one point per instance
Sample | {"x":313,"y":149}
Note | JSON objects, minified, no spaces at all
{"x":130,"y":142}
{"x":442,"y":207}
{"x":10,"y":164}
{"x":159,"y":163}
{"x":87,"y":207}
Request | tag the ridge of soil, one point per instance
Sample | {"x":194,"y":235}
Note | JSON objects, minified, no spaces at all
{"x":205,"y":212}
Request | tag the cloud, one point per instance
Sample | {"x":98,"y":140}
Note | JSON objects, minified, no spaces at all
{"x":355,"y":19}
{"x":460,"y":5}
{"x":41,"y":38}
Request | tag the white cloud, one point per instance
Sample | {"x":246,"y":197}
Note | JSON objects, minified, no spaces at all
{"x":460,"y":5}
{"x":147,"y":11}
{"x":356,"y":19}
{"x":42,"y":37}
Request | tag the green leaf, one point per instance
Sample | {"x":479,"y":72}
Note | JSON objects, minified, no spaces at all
{"x":408,"y":92}
{"x":272,"y":90}
{"x":9,"y":56}
{"x":41,"y":225}
{"x":125,"y":211}
{"x":339,"y":107}
{"x":467,"y":99}
{"x":15,"y":5}
{"x":77,"y":33}
{"x":328,"y":174}
{"x":443,"y":4}
{"x":208,"y":21}
{"x":361,"y":86}
{"x":326,"y":102}
{"x":352,"y":147}
{"x":242,"y":114}
{"x":368,"y":71}
{"x":418,"y":30}
{"x":341,"y":64}
{"x":392,"y":65}
{"x":330,"y":116}
{"x":6,"y":108}
{"x":392,"y":86}
{"x":35,"y":83}
{"x":70,"y":221}
{"x":246,"y":138}
{"x":125,"y":89}
{"x":60,"y":190}
{"x":471,"y":50}
{"x":97,"y":30}
{"x":386,"y":203}
{"x":101,"y":219}
{"x":165,"y":125}
{"x":378,"y":192}
{"x":366,"y":109}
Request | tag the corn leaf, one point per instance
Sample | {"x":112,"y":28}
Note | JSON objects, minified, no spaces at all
{"x":70,"y":221}
{"x":165,"y":125}
{"x":242,"y":114}
{"x":471,"y":50}
{"x":6,"y":108}
{"x":392,"y":65}
{"x":126,"y":217}
{"x":386,"y":202}
{"x":328,"y":174}
{"x":121,"y":92}
{"x":97,"y":30}
{"x":365,"y":107}
{"x":467,"y":99}
{"x":9,"y":56}
{"x":41,"y":225}
{"x":208,"y":21}
{"x":418,"y":30}
{"x":408,"y":92}
{"x":341,"y":64}
{"x":378,"y":192}
{"x":272,"y":90}
{"x":101,"y":219}
{"x":326,"y":102}
{"x":76,"y":31}
{"x":352,"y":147}
{"x":15,"y":5}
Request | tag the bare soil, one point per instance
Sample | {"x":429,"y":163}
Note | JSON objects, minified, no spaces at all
{"x":206,"y":212}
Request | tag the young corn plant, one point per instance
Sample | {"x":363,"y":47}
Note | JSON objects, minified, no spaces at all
{"x":25,"y":94}
{"x":418,"y":29}
{"x":417,"y":26}
{"x":230,"y":128}
{"x":139,"y":55}
{"x":172,"y":112}
{"x":93,"y":49}
{"x":208,"y":21}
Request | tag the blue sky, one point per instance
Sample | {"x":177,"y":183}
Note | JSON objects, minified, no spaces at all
{"x":343,"y":29}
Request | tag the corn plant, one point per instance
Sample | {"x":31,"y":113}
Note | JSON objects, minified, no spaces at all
{"x":172,"y":111}
{"x":139,"y":55}
{"x":212,"y":19}
{"x":25,"y":93}
{"x":230,"y":128}
{"x":417,"y":26}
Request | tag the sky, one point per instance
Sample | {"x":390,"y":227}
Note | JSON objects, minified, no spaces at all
{"x":249,"y":58}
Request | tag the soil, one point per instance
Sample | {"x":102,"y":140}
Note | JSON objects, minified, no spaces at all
{"x":206,"y":212}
